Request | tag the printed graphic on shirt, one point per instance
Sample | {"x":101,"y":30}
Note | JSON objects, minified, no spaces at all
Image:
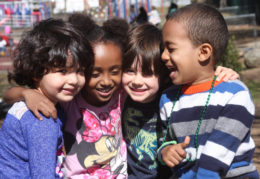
{"x":143,"y":141}
{"x":98,"y":150}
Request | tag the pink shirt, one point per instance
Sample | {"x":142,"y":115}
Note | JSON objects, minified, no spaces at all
{"x":93,"y":139}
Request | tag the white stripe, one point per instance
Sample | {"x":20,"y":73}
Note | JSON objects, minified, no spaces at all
{"x":18,"y":109}
{"x":244,"y":147}
{"x":191,"y":152}
{"x":213,"y":148}
{"x":219,"y":152}
{"x":243,"y":98}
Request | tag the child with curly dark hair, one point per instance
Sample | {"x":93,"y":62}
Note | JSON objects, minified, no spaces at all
{"x":51,"y":60}
{"x":92,"y":133}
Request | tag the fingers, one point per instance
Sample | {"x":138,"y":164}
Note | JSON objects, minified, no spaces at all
{"x":221,"y":72}
{"x":173,"y":161}
{"x":37,"y":103}
{"x":186,"y":142}
{"x":226,"y":74}
{"x":37,"y":114}
{"x":219,"y":69}
{"x":172,"y":155}
{"x":47,"y":109}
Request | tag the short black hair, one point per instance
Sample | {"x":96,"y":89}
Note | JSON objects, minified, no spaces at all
{"x":47,"y":46}
{"x":204,"y":24}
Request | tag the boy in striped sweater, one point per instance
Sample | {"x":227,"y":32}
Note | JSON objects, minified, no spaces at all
{"x":215,"y":115}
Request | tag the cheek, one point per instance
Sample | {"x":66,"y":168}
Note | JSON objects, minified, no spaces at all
{"x":91,"y":83}
{"x":81,"y":80}
{"x":125,"y":79}
{"x":154,"y":84}
{"x":118,"y":79}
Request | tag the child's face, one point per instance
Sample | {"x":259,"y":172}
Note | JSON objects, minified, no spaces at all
{"x":62,"y":84}
{"x":139,"y":87}
{"x":180,"y":55}
{"x":106,"y":76}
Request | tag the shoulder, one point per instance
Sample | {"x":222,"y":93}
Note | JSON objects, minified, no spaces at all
{"x":18,"y":110}
{"x":234,"y":86}
{"x":169,"y":94}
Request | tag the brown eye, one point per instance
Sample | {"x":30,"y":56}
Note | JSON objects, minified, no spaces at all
{"x":130,"y":71}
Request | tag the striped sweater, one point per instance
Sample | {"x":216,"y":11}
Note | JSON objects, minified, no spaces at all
{"x":225,"y":147}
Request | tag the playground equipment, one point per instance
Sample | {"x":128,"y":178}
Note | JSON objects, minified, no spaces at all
{"x":23,"y":13}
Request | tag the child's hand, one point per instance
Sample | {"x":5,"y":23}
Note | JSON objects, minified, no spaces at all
{"x":36,"y":102}
{"x":172,"y":155}
{"x":226,"y":74}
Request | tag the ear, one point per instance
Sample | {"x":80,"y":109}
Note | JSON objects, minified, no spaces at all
{"x":36,"y":81}
{"x":205,"y":51}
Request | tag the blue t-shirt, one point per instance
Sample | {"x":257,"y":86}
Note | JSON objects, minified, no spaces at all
{"x":28,"y":146}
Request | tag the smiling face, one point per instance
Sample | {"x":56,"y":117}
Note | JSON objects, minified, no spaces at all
{"x":141,"y":88}
{"x":180,"y":55}
{"x":106,"y":76}
{"x":62,"y":84}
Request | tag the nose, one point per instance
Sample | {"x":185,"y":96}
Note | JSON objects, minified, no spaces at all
{"x":165,"y":55}
{"x":106,"y":81}
{"x":137,"y":80}
{"x":73,"y":79}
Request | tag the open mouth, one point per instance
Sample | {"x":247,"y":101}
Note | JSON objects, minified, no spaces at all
{"x":104,"y":91}
{"x":172,"y":71}
{"x":137,"y":91}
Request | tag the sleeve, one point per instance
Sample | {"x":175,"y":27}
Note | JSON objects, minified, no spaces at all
{"x":167,"y":138}
{"x":231,"y":130}
{"x":42,"y":139}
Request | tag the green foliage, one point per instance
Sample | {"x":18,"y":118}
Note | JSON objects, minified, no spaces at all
{"x":230,"y":57}
{"x":254,"y":87}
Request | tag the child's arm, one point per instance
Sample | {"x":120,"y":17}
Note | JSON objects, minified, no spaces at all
{"x":226,"y":74}
{"x":42,"y":141}
{"x":172,"y":155}
{"x":35,"y":101}
{"x":230,"y":139}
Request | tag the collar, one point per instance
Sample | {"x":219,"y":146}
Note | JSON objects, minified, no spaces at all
{"x":197,"y":88}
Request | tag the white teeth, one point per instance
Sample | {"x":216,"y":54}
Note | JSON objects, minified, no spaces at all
{"x":104,"y":90}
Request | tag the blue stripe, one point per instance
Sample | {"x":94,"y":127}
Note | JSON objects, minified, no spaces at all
{"x":206,"y":162}
{"x":239,"y":164}
{"x":235,"y":112}
{"x":231,"y":87}
{"x":201,"y":139}
{"x":169,"y":96}
{"x":238,"y":112}
{"x":245,"y":157}
{"x":206,"y":174}
{"x":226,"y":140}
{"x":194,"y":113}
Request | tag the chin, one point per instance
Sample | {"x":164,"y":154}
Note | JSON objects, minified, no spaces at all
{"x":66,"y":99}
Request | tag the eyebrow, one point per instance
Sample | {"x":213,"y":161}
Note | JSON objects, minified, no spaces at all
{"x":167,"y":43}
{"x":112,"y":67}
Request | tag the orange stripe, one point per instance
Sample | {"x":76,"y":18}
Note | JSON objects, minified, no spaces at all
{"x":191,"y":89}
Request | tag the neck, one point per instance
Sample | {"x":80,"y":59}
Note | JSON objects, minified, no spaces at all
{"x":203,"y":77}
{"x":41,"y":92}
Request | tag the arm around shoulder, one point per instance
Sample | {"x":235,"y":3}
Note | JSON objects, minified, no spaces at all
{"x":14,"y":94}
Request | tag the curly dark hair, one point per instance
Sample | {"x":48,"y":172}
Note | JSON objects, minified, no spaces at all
{"x":113,"y":30}
{"x":47,"y":46}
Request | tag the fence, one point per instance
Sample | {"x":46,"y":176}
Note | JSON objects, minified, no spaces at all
{"x":239,"y":19}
